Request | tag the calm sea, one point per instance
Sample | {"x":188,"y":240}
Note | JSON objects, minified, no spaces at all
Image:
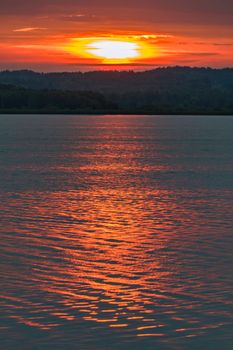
{"x":116,"y":232}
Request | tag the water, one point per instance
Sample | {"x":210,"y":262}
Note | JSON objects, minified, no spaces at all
{"x":116,"y":232}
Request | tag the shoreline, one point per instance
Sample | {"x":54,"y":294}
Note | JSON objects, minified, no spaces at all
{"x":112,"y":112}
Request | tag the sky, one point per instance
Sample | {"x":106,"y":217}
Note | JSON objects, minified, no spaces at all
{"x":69,"y":35}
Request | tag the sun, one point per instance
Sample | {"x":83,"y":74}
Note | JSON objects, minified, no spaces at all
{"x":112,"y":49}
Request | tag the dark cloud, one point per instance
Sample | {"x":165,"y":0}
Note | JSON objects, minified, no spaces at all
{"x":223,"y":44}
{"x":199,"y":11}
{"x":203,"y":53}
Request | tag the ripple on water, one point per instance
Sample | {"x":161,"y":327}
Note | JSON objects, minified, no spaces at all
{"x":116,"y":231}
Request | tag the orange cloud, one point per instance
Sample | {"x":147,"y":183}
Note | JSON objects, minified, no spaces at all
{"x":28,"y":29}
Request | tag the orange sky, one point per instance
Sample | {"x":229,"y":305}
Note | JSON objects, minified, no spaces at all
{"x":49,"y":35}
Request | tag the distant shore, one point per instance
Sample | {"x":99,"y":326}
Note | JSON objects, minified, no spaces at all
{"x":104,"y":112}
{"x":173,"y":91}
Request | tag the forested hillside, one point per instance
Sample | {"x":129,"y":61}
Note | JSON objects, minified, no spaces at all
{"x":178,"y":90}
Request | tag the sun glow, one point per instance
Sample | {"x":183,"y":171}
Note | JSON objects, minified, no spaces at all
{"x":112,"y":50}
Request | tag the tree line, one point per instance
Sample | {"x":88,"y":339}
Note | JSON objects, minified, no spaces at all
{"x":177,"y":90}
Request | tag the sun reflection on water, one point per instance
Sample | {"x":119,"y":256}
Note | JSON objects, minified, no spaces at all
{"x":109,"y":249}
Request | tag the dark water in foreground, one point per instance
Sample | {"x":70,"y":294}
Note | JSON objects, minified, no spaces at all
{"x":116,"y":232}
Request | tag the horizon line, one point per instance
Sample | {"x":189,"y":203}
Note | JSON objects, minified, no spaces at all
{"x":115,"y":70}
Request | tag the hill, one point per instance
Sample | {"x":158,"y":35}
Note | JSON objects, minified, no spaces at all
{"x":177,"y":90}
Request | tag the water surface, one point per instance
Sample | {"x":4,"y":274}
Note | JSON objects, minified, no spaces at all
{"x":116,"y":232}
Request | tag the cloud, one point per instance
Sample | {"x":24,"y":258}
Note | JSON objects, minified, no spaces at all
{"x":78,"y":17}
{"x":223,"y":44}
{"x":193,"y":11}
{"x":28,"y":29}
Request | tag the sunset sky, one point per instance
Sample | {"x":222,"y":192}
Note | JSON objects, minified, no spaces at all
{"x":69,"y":35}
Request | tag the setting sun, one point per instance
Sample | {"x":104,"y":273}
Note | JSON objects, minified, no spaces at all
{"x":111,"y":49}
